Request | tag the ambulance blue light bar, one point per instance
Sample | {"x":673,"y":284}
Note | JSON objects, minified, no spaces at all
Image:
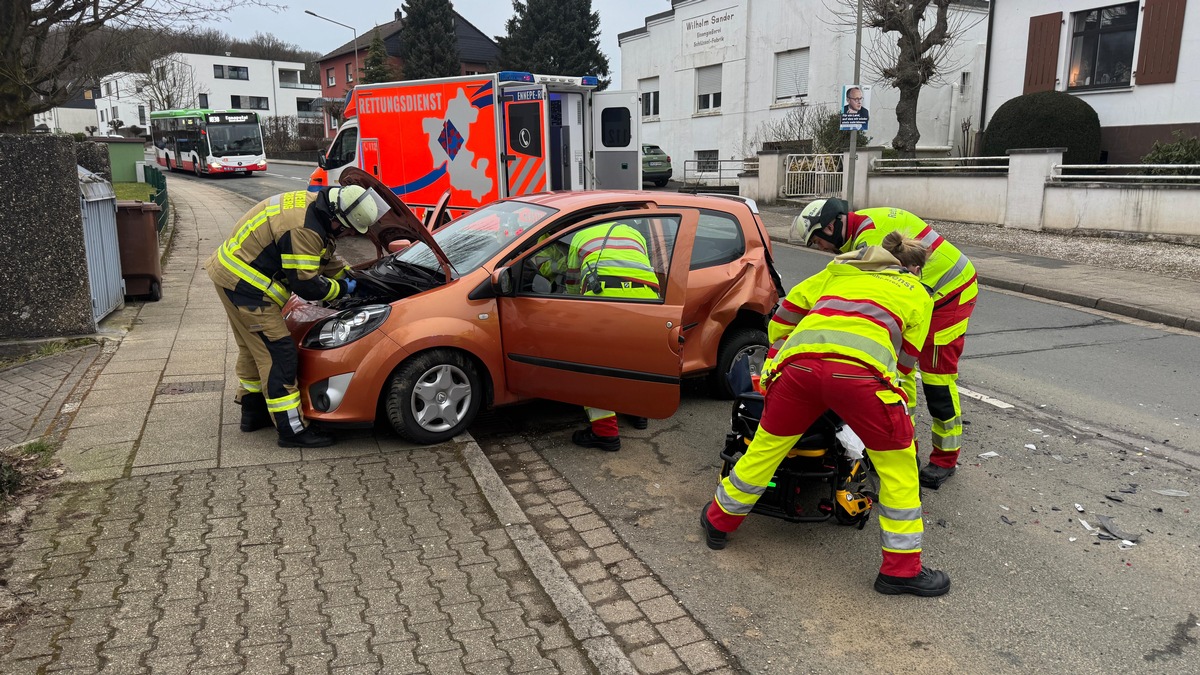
{"x":515,"y":76}
{"x":590,"y":81}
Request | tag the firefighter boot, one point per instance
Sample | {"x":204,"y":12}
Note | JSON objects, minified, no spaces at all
{"x":932,"y":476}
{"x":928,"y":583}
{"x":309,"y":438}
{"x":715,"y":538}
{"x":255,"y":415}
{"x":588,"y":439}
{"x":639,"y":422}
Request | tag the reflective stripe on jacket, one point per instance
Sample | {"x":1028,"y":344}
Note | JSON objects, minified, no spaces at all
{"x":279,"y":248}
{"x":946,"y":272}
{"x":614,"y":258}
{"x":862,"y":307}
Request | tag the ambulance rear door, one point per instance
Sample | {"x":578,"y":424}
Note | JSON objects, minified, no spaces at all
{"x":616,"y":140}
{"x":526,"y":139}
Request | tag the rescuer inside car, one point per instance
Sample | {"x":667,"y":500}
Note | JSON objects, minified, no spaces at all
{"x":846,"y":339}
{"x":950,"y":277}
{"x":284,"y":245}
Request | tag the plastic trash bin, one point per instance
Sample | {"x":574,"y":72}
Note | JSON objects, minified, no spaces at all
{"x":137,"y":237}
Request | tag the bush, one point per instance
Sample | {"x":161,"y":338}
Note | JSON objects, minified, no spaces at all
{"x":1182,"y":150}
{"x":1047,"y":119}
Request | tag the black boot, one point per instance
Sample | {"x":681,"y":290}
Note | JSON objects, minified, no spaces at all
{"x":255,"y":415}
{"x":588,"y":439}
{"x":928,"y":583}
{"x":309,"y":438}
{"x":932,"y":476}
{"x":715,"y":538}
{"x":639,"y":422}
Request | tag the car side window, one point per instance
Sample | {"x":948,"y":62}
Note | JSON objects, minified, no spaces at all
{"x":719,"y":240}
{"x":341,"y":152}
{"x":623,"y":260}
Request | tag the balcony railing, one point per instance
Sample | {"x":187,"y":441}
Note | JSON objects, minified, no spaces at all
{"x":308,"y":114}
{"x":299,"y":85}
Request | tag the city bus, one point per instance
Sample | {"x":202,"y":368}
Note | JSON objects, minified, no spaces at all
{"x":208,"y":141}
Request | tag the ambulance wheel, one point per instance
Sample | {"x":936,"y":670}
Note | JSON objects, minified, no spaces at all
{"x":738,"y":344}
{"x":433,"y":396}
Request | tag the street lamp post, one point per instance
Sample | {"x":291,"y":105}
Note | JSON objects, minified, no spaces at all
{"x":352,"y":30}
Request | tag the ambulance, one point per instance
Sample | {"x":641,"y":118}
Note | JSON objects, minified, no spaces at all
{"x":486,"y":137}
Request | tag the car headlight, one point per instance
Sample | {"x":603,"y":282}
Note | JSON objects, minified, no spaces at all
{"x":346,"y":327}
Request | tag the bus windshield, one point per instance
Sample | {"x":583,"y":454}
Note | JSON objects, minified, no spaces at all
{"x":234,"y":139}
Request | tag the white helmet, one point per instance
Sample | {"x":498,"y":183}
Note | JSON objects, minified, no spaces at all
{"x":357,"y":207}
{"x":816,"y":215}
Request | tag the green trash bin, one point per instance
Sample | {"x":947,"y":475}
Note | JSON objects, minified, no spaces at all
{"x":137,"y":238}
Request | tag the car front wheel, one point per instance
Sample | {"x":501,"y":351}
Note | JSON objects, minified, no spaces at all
{"x":433,"y":397}
{"x":738,"y":344}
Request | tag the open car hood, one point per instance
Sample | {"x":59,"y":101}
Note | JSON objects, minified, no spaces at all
{"x":399,"y":223}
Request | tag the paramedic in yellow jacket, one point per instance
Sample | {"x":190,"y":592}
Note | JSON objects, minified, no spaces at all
{"x":844,"y":340}
{"x":611,"y":260}
{"x":284,"y":245}
{"x":950,"y":276}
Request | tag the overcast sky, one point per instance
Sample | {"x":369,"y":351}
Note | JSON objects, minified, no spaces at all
{"x":293,"y":25}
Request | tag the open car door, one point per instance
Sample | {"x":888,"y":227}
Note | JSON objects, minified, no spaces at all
{"x":610,"y":342}
{"x":439,"y":215}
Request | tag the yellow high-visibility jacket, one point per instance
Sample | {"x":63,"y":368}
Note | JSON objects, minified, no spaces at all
{"x":864,"y":307}
{"x":613,"y":260}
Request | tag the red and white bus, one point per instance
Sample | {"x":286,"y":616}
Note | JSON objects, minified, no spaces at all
{"x":208,"y":141}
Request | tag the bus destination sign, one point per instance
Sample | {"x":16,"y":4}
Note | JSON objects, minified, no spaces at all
{"x":230,"y":118}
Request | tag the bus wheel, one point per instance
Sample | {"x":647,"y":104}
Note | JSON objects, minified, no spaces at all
{"x":196,"y":168}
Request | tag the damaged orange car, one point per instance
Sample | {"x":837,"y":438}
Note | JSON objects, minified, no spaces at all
{"x":469,"y":315}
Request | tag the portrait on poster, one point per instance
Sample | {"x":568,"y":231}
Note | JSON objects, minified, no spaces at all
{"x":856,"y":102}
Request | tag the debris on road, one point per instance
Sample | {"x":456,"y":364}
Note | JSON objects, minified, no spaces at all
{"x":1007,"y":521}
{"x":1072,"y":538}
{"x":1079,"y":508}
{"x":1110,"y":525}
{"x":989,"y":454}
{"x":1173,"y":493}
{"x":1030,"y":446}
{"x":1114,"y":498}
{"x":1085,"y":525}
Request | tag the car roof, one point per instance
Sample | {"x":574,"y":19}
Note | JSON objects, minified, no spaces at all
{"x":564,"y":200}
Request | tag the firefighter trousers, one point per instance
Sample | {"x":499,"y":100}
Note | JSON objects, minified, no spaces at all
{"x":803,"y":390}
{"x":939,"y":374}
{"x":267,"y":360}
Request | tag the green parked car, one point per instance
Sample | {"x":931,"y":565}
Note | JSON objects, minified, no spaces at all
{"x":656,"y":165}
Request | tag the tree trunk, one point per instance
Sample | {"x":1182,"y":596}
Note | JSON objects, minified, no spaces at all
{"x":905,"y":141}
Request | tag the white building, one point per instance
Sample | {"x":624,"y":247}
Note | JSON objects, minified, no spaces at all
{"x":1136,"y":63}
{"x":70,"y":117}
{"x":273,"y":88}
{"x":121,"y":99}
{"x":713,"y":72}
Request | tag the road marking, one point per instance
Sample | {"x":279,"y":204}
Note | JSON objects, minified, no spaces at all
{"x":983,"y":397}
{"x":279,"y":175}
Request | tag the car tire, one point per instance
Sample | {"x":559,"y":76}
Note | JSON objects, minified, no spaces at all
{"x":660,"y":182}
{"x":737,"y":343}
{"x":441,"y":381}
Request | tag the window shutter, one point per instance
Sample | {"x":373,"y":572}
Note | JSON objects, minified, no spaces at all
{"x":791,"y":74}
{"x":1162,"y":31}
{"x":708,"y":80}
{"x":648,"y":84}
{"x":1041,"y":54}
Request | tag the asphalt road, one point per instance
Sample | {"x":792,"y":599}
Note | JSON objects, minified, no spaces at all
{"x":1102,"y":409}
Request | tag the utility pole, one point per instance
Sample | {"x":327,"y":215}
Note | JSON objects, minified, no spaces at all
{"x":849,"y":191}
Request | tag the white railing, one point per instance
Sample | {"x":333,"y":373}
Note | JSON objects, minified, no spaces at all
{"x":982,"y":165}
{"x":813,"y":175}
{"x":712,"y":172}
{"x":298,"y":85}
{"x":1133,"y":173}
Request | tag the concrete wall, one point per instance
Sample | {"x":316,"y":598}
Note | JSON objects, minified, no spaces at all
{"x":970,"y":198}
{"x":1167,"y":212}
{"x":45,"y":291}
{"x":664,"y":49}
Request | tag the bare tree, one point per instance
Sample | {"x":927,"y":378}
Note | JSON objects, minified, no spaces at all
{"x":919,"y":52}
{"x":169,"y":83}
{"x":43,"y":45}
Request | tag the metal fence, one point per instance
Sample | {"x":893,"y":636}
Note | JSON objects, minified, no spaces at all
{"x":1159,"y":174}
{"x":712,"y":173}
{"x":98,"y":206}
{"x":157,"y":180}
{"x":979,"y":165}
{"x":813,"y":175}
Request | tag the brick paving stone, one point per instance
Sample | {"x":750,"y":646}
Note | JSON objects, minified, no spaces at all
{"x":644,"y":589}
{"x":654,"y":659}
{"x":681,"y":631}
{"x":662,"y":608}
{"x":701,"y":656}
{"x":619,"y":611}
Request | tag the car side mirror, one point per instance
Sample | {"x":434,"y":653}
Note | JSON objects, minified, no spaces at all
{"x":502,"y":281}
{"x":397,"y":245}
{"x":321,"y":159}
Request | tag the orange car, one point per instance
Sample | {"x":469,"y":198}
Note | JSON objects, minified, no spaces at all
{"x":483,"y":311}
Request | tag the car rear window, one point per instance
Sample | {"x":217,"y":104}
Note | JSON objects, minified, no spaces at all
{"x":652,"y":150}
{"x":718,"y":240}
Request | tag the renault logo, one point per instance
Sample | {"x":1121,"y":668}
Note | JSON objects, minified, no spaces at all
{"x":524,"y":138}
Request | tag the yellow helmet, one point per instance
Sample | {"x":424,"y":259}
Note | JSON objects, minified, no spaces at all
{"x":357,"y":207}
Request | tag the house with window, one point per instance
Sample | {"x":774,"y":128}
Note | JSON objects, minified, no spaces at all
{"x":121,"y":99}
{"x":72,"y":116}
{"x":477,"y":53}
{"x":1136,"y":63}
{"x":715,"y":75}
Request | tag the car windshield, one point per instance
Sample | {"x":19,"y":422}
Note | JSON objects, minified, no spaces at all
{"x":479,"y":235}
{"x":235,"y":139}
{"x":652,"y":150}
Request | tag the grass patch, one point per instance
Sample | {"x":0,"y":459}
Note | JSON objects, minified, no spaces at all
{"x":140,"y":191}
{"x":18,"y":354}
{"x":10,"y":477}
{"x":39,"y":450}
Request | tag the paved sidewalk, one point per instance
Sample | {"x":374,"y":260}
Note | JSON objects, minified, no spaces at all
{"x":1160,"y":299}
{"x":34,"y":392}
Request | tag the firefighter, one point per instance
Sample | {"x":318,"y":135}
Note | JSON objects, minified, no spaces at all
{"x":846,"y":339}
{"x":950,"y":276}
{"x":609,"y":260}
{"x":284,"y":245}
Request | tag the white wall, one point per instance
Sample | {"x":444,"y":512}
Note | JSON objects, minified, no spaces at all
{"x":119,"y":90}
{"x":1178,"y":102}
{"x":263,"y":81}
{"x":66,"y":120}
{"x":940,"y":197}
{"x":1140,"y":209}
{"x":757,"y":32}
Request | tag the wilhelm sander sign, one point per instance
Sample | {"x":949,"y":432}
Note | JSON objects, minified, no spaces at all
{"x":711,"y":30}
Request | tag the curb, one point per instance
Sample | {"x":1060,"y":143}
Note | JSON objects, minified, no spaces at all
{"x":601,"y":647}
{"x":1089,"y":301}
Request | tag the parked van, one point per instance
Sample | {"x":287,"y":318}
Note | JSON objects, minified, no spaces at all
{"x":487,"y":137}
